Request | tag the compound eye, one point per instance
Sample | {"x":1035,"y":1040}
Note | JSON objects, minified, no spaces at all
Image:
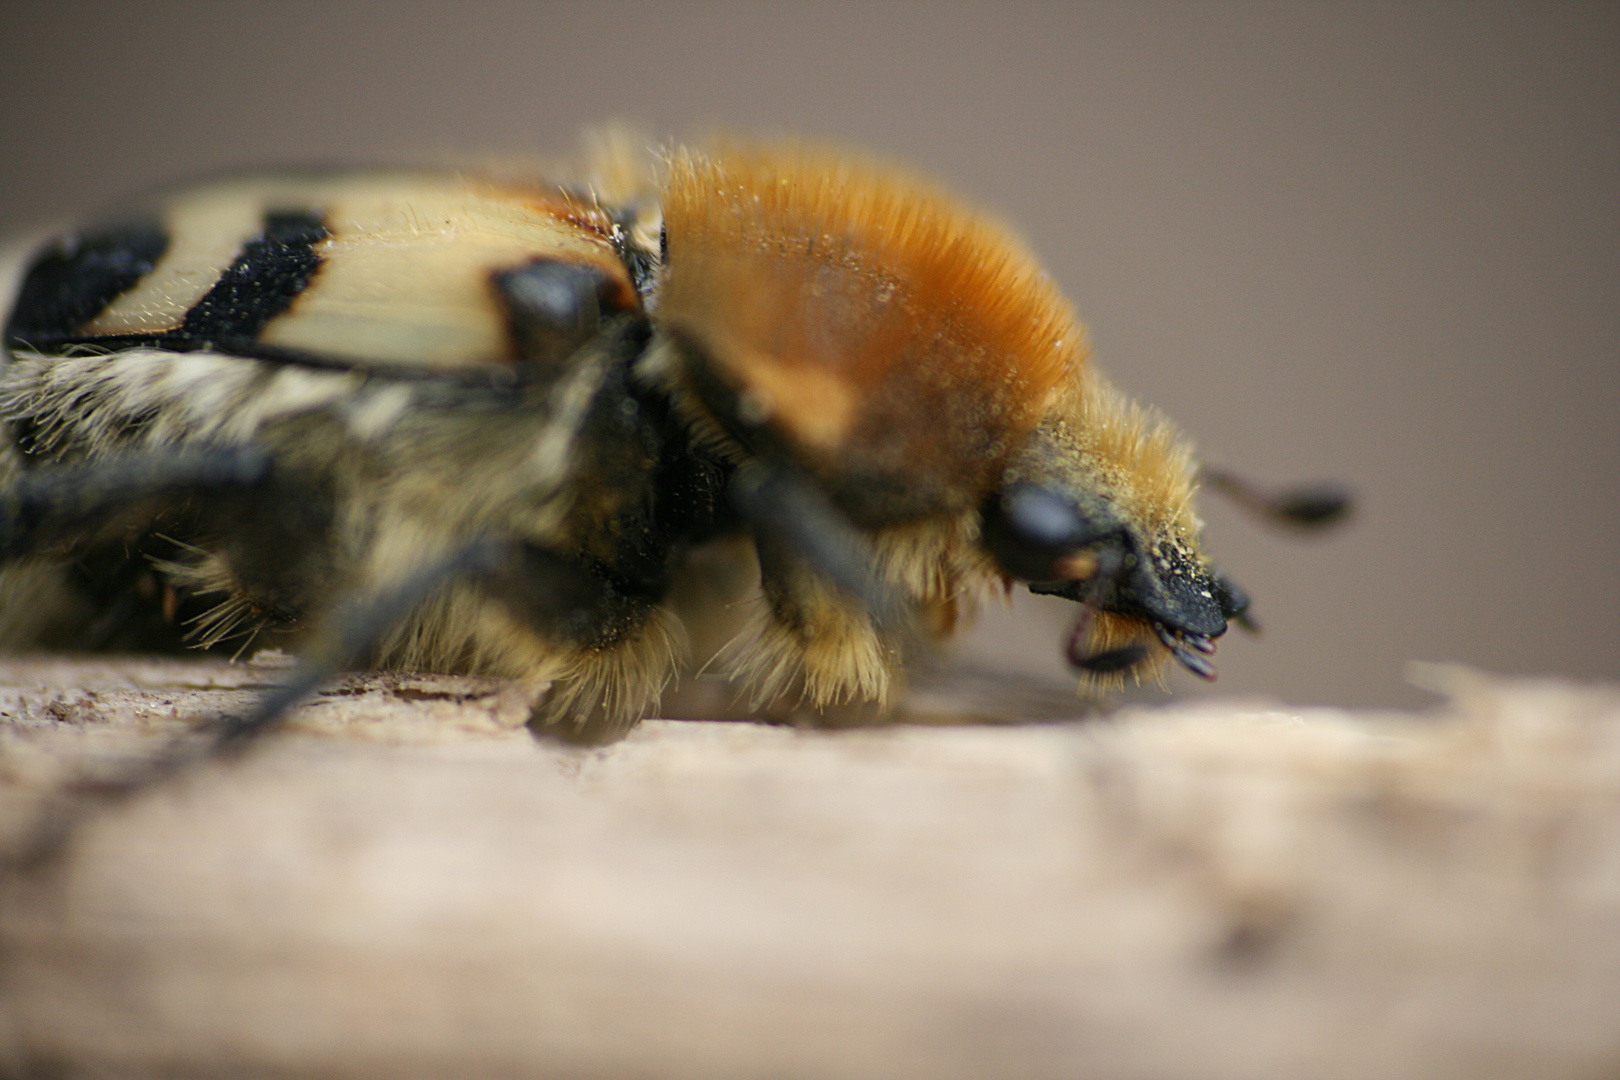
{"x":1038,"y":534}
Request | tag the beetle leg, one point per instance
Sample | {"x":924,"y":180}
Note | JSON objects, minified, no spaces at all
{"x":53,"y":503}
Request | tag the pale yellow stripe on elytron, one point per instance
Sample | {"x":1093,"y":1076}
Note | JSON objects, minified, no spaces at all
{"x":405,"y":276}
{"x":207,"y":229}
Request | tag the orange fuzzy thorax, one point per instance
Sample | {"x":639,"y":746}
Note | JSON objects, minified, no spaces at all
{"x":886,"y":332}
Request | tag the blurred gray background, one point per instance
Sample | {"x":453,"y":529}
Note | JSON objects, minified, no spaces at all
{"x":1376,"y":242}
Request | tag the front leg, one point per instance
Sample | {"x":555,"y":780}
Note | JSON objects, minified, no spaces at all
{"x":815,"y":645}
{"x":68,"y":531}
{"x":842,"y":606}
{"x":818,"y":641}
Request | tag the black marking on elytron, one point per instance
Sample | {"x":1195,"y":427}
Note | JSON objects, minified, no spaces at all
{"x":268,"y":274}
{"x":262,"y":282}
{"x":74,"y":280}
{"x":553,"y":307}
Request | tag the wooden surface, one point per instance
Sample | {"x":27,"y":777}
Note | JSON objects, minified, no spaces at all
{"x":408,"y":884}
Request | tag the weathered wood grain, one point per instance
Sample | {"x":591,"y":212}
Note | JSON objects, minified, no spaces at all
{"x":408,"y":884}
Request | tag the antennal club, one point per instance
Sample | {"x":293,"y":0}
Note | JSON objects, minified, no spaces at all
{"x":1308,"y":506}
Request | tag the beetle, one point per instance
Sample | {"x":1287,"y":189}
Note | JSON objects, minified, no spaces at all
{"x":478,"y":424}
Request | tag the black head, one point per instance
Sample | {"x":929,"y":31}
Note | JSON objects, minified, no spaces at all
{"x":1081,"y":548}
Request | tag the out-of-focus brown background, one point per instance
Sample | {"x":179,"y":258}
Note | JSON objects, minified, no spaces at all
{"x":1370,"y":241}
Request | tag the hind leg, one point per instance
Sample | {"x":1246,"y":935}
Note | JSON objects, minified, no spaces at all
{"x":59,"y":521}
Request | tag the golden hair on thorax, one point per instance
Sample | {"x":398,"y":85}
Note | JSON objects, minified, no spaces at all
{"x":887,"y":328}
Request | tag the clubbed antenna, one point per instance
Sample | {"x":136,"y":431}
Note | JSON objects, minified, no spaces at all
{"x":1308,"y":506}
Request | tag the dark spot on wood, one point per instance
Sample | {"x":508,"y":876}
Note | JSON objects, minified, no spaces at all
{"x":1253,"y":939}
